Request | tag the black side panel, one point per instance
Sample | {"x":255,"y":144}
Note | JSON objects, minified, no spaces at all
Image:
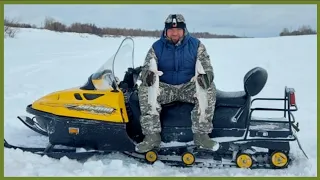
{"x":133,"y":109}
{"x":221,"y":132}
{"x":184,"y":134}
{"x":269,"y":134}
{"x":177,"y":114}
{"x":231,"y":116}
{"x":270,"y":144}
{"x":178,"y":134}
{"x":93,"y":134}
{"x":223,"y":117}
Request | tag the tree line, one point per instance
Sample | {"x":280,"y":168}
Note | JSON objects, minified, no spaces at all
{"x":91,"y":28}
{"x":303,"y":30}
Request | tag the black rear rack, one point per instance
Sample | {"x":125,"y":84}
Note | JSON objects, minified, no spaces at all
{"x":289,"y":107}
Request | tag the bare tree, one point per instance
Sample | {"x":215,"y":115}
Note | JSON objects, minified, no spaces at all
{"x":10,"y":28}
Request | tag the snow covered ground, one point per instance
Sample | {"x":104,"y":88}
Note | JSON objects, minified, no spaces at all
{"x":38,"y":62}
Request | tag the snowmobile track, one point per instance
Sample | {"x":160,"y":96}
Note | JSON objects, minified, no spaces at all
{"x":261,"y":160}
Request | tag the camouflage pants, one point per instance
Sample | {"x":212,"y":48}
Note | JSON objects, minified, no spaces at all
{"x":150,"y":123}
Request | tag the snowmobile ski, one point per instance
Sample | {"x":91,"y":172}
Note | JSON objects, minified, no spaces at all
{"x":57,"y":153}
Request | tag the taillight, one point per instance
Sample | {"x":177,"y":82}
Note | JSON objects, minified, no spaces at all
{"x":292,"y":99}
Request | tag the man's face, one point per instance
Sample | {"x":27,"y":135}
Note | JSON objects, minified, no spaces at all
{"x":175,"y":34}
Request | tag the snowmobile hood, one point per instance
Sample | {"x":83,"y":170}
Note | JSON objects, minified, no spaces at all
{"x":108,"y":106}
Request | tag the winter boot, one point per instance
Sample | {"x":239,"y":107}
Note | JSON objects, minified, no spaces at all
{"x":204,"y":141}
{"x":149,"y":142}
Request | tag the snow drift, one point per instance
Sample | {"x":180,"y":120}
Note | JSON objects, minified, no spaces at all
{"x":38,"y":62}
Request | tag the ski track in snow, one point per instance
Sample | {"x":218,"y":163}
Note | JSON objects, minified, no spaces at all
{"x":34,"y":69}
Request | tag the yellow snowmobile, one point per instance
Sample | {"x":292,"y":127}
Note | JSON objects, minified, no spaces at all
{"x":102,"y":116}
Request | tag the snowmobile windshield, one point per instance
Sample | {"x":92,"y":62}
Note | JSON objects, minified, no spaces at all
{"x":112,"y":72}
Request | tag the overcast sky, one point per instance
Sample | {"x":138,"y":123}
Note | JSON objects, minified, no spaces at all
{"x":241,"y":20}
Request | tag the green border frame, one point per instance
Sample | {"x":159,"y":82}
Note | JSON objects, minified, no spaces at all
{"x":2,"y":3}
{"x":160,"y":2}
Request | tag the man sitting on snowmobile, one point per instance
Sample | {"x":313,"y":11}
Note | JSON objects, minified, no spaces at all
{"x":176,"y":53}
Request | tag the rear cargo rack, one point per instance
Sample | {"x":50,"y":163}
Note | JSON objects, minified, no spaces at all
{"x":289,"y":107}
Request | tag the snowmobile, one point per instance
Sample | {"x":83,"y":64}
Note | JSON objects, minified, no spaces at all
{"x":102,"y":116}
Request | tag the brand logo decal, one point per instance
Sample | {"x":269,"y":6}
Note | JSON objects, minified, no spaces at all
{"x":96,"y":109}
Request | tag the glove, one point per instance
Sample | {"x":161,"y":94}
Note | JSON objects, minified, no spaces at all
{"x":150,"y":78}
{"x":205,"y":80}
{"x":134,"y":70}
{"x":137,"y":70}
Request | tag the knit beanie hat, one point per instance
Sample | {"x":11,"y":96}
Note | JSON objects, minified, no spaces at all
{"x":175,"y":21}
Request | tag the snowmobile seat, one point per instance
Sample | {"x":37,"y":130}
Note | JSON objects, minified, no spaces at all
{"x":231,"y":98}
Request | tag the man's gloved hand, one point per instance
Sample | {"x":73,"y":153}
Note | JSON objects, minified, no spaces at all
{"x":150,"y":78}
{"x":205,"y":80}
{"x":137,"y":70}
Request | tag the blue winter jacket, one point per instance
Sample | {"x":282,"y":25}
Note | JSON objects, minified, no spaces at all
{"x":176,"y":62}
